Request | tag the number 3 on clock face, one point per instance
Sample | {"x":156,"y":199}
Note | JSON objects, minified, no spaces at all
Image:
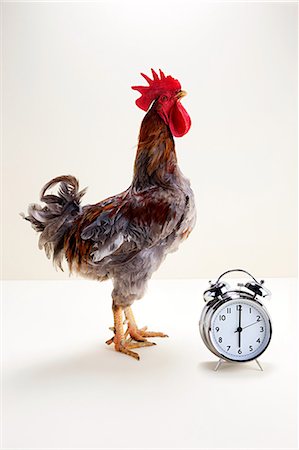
{"x":240,"y":330}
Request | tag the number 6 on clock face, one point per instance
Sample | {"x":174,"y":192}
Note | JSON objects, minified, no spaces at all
{"x":240,"y":330}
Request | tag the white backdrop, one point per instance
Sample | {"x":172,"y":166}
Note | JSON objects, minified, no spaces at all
{"x":68,"y":109}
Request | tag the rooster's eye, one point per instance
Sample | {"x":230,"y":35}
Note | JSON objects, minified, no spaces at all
{"x":164,"y":98}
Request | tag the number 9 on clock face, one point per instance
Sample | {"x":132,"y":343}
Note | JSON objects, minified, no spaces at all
{"x":239,"y":330}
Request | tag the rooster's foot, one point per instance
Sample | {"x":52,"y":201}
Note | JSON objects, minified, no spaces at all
{"x":132,"y":337}
{"x":130,"y":344}
{"x":123,"y":346}
{"x":140,"y":334}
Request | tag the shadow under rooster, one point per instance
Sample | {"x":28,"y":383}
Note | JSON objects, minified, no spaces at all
{"x":126,"y":237}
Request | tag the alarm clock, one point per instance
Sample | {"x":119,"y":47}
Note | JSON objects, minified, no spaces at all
{"x":234,"y":323}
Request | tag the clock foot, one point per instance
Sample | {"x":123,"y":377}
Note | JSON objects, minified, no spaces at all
{"x":218,"y":364}
{"x":222,"y":361}
{"x":258,"y":363}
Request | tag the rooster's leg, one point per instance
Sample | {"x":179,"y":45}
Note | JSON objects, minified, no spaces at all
{"x":139,"y":334}
{"x":121,"y":344}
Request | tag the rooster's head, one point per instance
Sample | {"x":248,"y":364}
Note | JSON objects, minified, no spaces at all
{"x":166,"y":92}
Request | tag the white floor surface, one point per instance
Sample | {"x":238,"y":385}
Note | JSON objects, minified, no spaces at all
{"x":63,"y":387}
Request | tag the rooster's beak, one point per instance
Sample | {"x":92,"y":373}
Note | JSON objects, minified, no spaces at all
{"x":181,"y":94}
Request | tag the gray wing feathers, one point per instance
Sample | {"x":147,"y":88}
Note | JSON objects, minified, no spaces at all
{"x":112,"y":231}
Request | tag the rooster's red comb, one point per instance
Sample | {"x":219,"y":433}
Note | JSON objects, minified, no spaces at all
{"x":155,"y":88}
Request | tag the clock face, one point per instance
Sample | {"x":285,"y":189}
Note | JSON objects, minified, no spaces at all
{"x":240,"y":329}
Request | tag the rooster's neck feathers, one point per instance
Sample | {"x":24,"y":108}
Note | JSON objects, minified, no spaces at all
{"x":156,"y":162}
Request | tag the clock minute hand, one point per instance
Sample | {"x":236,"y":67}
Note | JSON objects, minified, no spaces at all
{"x":253,"y":323}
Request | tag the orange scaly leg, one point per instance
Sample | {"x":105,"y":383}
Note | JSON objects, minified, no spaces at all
{"x":121,"y":344}
{"x":119,"y":339}
{"x":139,"y":334}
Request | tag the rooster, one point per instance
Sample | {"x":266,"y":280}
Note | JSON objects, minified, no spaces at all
{"x":126,"y":237}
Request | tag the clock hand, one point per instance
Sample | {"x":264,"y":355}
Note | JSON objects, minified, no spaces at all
{"x":253,"y":323}
{"x":239,"y":328}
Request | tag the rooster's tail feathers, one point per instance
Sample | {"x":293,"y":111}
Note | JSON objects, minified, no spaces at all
{"x":54,"y":219}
